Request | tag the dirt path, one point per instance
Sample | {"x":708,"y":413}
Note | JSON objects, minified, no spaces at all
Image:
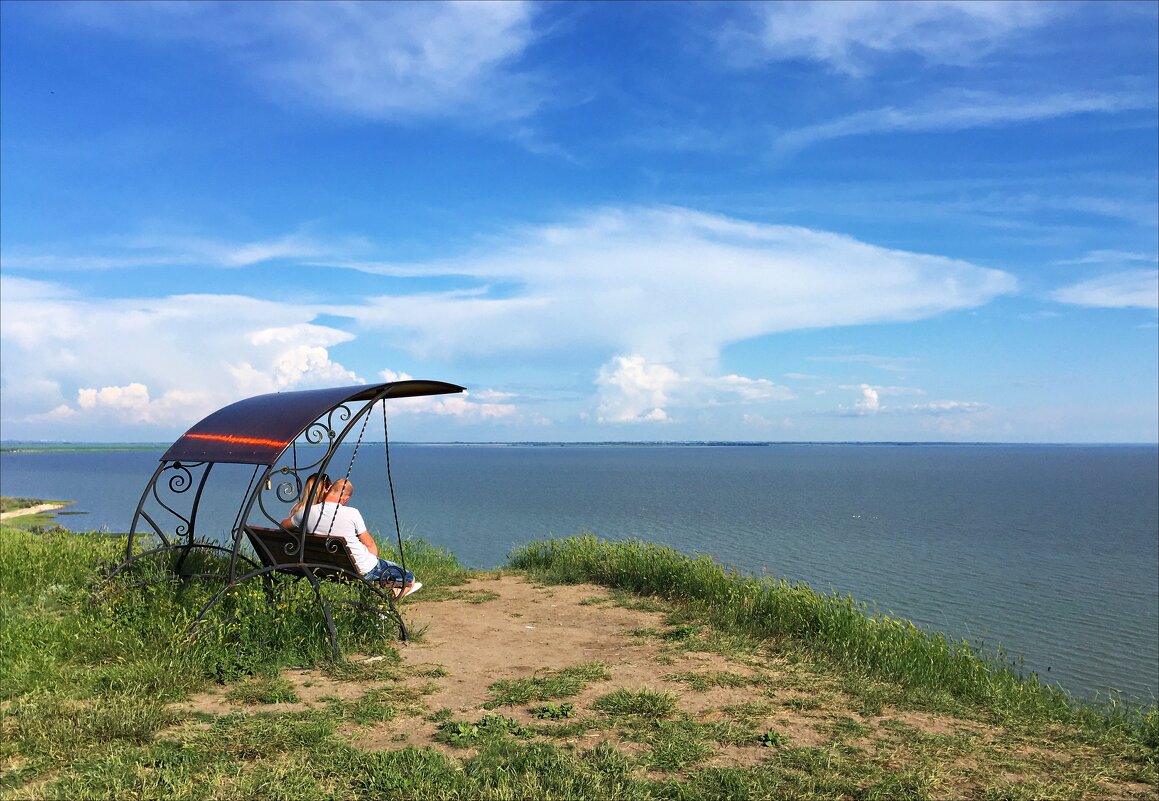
{"x":506,"y":628}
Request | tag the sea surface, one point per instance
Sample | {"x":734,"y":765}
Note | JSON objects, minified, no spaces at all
{"x":1051,"y":552}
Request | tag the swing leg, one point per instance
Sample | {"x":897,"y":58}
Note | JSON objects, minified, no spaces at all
{"x":331,"y":632}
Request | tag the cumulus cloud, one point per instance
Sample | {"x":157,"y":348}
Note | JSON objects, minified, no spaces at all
{"x":651,"y":294}
{"x":131,"y":404}
{"x":1127,"y":289}
{"x":633,"y":390}
{"x":152,"y":361}
{"x":870,"y":403}
{"x":487,"y":407}
{"x":870,"y":400}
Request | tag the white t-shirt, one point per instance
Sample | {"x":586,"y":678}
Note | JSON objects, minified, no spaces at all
{"x":348,"y":524}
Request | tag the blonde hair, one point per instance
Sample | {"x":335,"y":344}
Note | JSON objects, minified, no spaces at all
{"x":314,"y":489}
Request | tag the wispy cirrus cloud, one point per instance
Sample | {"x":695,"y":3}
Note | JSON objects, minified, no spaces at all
{"x":1112,"y":257}
{"x":389,"y":61}
{"x":1120,"y":290}
{"x":169,"y":250}
{"x":892,"y":364}
{"x":963,"y":110}
{"x":853,"y":37}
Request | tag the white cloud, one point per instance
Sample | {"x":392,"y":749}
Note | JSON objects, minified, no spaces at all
{"x":748,"y":390}
{"x":963,"y":110}
{"x":939,"y":408}
{"x":173,"y":250}
{"x":60,"y":413}
{"x":671,"y":284}
{"x":464,"y":406}
{"x":870,"y":400}
{"x":132,"y":404}
{"x":633,"y":390}
{"x":1127,"y":289}
{"x":666,"y":289}
{"x":852,"y":37}
{"x":161,"y":362}
{"x":1115,"y":257}
{"x":460,"y":406}
{"x":394,"y":61}
{"x":870,"y":404}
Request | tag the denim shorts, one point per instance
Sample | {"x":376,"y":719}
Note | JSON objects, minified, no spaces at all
{"x":388,"y":571}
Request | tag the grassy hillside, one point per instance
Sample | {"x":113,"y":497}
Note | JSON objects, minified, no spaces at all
{"x":97,"y":678}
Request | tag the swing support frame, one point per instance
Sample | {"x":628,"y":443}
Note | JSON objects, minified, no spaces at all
{"x":263,"y":431}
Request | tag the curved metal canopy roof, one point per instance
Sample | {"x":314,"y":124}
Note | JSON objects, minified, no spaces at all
{"x":257,"y":430}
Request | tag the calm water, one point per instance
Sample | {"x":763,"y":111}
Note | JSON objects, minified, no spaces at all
{"x":1052,"y":552}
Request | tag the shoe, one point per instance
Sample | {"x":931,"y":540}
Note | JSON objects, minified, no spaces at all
{"x":411,"y":589}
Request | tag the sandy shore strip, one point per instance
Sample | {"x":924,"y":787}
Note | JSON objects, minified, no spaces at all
{"x":32,"y":510}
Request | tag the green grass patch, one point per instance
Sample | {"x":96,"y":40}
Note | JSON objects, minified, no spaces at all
{"x":643,"y":703}
{"x":558,"y":684}
{"x":263,"y":690}
{"x":700,"y":682}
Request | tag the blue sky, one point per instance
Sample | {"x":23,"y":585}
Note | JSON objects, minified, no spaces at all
{"x":613,"y":221}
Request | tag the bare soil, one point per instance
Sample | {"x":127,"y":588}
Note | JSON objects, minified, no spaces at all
{"x":507,"y":628}
{"x":497,"y":628}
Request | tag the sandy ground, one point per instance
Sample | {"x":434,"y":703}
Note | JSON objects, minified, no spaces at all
{"x":31,"y":510}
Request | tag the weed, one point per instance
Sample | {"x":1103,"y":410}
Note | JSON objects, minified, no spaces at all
{"x":462,"y":734}
{"x":553,"y":711}
{"x":773,"y":739}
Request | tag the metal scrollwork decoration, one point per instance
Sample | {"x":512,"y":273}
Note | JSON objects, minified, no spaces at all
{"x":179,"y":481}
{"x":285,"y":437}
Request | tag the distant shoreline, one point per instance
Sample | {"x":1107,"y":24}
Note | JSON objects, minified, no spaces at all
{"x":22,"y":447}
{"x":32,"y":510}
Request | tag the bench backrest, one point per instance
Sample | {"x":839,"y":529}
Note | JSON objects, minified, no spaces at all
{"x":284,"y":549}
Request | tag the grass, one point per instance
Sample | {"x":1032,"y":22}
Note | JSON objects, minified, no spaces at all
{"x":556,"y":684}
{"x":949,"y":675}
{"x":94,"y":700}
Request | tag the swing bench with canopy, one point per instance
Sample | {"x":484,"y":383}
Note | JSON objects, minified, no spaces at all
{"x":266,"y":431}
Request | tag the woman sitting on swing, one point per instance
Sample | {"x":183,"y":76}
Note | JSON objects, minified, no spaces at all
{"x":331,"y":516}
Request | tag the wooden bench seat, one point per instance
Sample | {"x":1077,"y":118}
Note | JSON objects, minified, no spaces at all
{"x":323,"y":557}
{"x":329,"y":557}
